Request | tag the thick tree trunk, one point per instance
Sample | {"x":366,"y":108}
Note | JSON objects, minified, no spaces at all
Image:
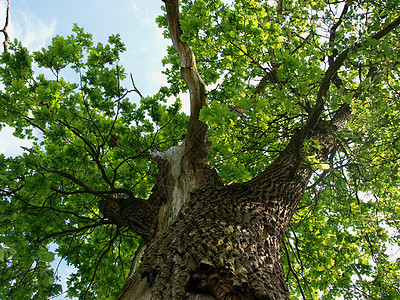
{"x":225,"y":242}
{"x":222,"y":242}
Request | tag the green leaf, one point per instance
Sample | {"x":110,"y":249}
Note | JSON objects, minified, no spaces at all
{"x":48,"y":257}
{"x":2,"y":252}
{"x":48,"y":280}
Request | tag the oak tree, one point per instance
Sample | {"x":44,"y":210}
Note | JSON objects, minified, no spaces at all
{"x":282,"y":182}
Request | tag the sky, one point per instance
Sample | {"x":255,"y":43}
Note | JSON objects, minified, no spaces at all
{"x":36,"y":22}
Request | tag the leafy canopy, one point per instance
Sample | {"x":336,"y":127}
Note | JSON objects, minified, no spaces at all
{"x":88,"y":137}
{"x":263,"y":62}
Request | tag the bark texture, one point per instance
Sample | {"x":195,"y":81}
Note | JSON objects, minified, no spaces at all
{"x":223,"y":242}
{"x":226,"y":240}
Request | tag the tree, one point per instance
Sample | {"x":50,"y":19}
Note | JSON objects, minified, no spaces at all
{"x":282,"y":182}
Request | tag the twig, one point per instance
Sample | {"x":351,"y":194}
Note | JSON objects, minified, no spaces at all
{"x":135,"y":88}
{"x":110,"y":243}
{"x":84,"y":228}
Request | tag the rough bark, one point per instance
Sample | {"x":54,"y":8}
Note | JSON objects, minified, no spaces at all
{"x":212,"y":241}
{"x":226,"y":240}
{"x":222,"y":242}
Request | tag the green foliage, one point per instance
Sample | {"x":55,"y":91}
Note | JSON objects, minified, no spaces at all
{"x":339,"y":236}
{"x":90,"y":131}
{"x":84,"y":127}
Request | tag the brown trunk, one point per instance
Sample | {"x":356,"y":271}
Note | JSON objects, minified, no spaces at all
{"x":222,"y":242}
{"x":225,"y":243}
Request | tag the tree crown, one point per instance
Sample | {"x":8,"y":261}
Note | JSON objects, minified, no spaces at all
{"x":271,"y":68}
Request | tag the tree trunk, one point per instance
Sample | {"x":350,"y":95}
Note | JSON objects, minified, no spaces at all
{"x":225,"y":242}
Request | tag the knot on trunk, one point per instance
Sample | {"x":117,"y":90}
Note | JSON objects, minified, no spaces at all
{"x":135,"y":214}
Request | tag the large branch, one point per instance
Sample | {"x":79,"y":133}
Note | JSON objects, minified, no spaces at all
{"x":332,"y":35}
{"x":335,"y":66}
{"x":4,"y":30}
{"x":196,"y":132}
{"x":134,"y":213}
{"x":332,"y":39}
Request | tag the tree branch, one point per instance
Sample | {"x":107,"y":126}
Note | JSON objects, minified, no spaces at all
{"x":76,"y":230}
{"x":95,"y":154}
{"x":335,"y":66}
{"x":87,"y":189}
{"x":189,"y":71}
{"x":292,"y":270}
{"x":135,"y":89}
{"x":332,"y":35}
{"x":5,"y":28}
{"x":269,"y":77}
{"x":280,"y":7}
{"x":29,"y":120}
{"x":110,"y":243}
{"x":196,"y":131}
{"x":70,"y":177}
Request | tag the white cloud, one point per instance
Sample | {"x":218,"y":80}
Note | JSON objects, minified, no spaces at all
{"x":142,"y":15}
{"x":185,"y":99}
{"x":11,"y":145}
{"x":31,"y":30}
{"x":162,"y":43}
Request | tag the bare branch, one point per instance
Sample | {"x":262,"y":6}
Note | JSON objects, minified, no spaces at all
{"x":135,"y":89}
{"x":5,"y":28}
{"x":198,"y":94}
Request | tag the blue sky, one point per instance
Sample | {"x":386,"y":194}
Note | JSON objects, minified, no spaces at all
{"x":36,"y":22}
